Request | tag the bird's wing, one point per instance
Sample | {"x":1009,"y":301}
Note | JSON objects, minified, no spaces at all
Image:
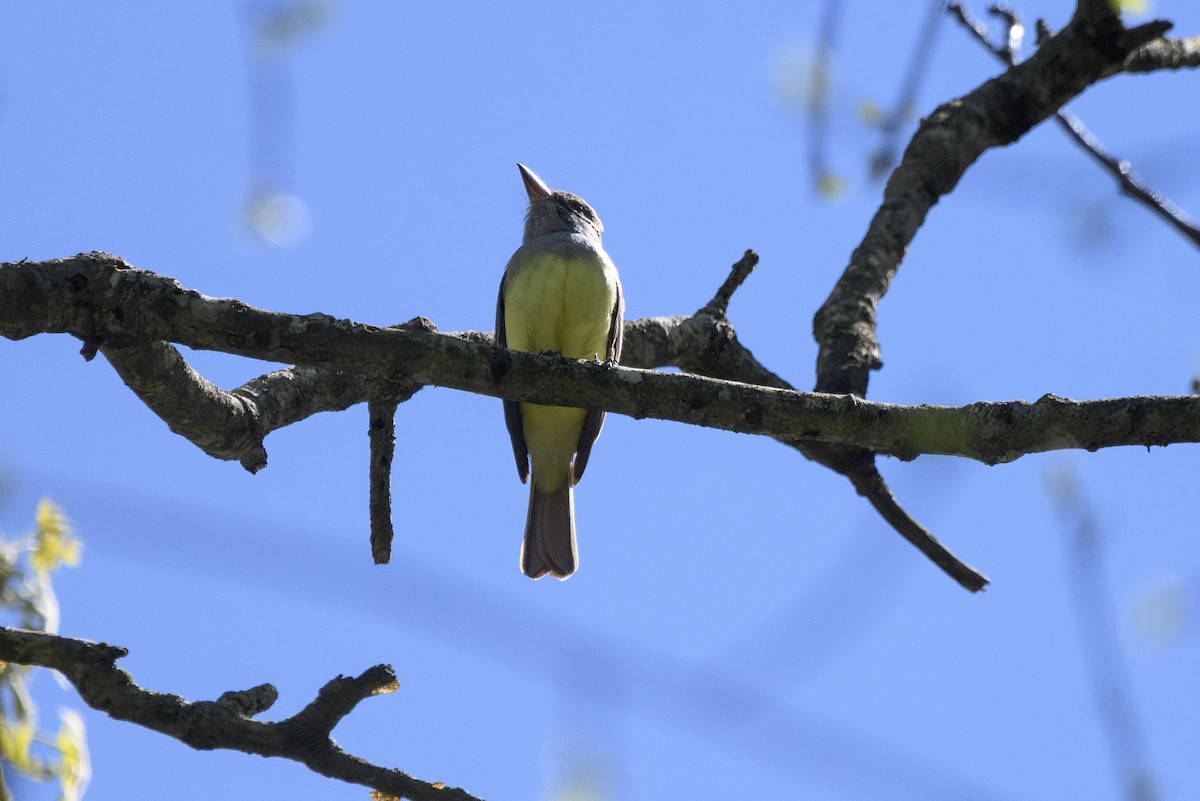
{"x":512,"y":409}
{"x":594,"y":420}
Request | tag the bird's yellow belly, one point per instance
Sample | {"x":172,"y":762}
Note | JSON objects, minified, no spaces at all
{"x":557,"y":304}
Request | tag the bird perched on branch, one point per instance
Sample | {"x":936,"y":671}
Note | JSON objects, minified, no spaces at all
{"x":560,"y":293}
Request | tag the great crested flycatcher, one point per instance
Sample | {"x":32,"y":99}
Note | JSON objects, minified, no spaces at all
{"x":560,"y":292}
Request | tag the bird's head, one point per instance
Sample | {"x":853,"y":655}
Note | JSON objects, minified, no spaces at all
{"x":552,"y":211}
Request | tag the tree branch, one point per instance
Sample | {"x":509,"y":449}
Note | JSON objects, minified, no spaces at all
{"x":100,"y":297}
{"x":1165,"y":54}
{"x":104,"y":301}
{"x":229,"y":425}
{"x":226,"y":723}
{"x":382,"y":432}
{"x":1093,"y":45}
{"x":1130,"y":182}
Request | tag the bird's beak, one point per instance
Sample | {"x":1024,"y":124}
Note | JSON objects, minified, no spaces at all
{"x":534,"y":187}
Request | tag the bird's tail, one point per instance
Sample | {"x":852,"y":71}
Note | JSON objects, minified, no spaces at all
{"x":549,"y":545}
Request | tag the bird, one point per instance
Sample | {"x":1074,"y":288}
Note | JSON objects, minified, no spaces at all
{"x":560,"y":293}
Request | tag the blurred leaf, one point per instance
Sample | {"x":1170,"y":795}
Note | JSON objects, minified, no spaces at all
{"x":75,"y":767}
{"x":870,"y":113}
{"x":800,"y":84}
{"x":583,"y":787}
{"x":831,"y":185}
{"x":15,"y":740}
{"x":54,"y":543}
{"x":277,"y":218}
{"x":27,"y":594}
{"x":1165,"y":612}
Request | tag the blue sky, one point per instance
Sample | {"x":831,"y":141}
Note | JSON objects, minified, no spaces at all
{"x":741,"y":620}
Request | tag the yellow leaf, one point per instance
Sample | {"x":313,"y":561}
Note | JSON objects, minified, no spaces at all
{"x":54,"y":542}
{"x":830,"y":185}
{"x":75,"y":767}
{"x":870,"y":113}
{"x":15,"y":739}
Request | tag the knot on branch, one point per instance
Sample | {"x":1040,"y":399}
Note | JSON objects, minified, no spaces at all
{"x":248,"y":703}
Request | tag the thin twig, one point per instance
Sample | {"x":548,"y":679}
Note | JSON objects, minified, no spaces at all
{"x":817,"y":97}
{"x":884,"y":502}
{"x":719,"y":305}
{"x":885,"y":157}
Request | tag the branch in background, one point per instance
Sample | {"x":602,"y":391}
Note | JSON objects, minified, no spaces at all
{"x":1096,"y":618}
{"x":1092,"y":46}
{"x":273,"y":212}
{"x":226,"y":723}
{"x":893,"y":122}
{"x":1131,"y":183}
{"x":819,"y":82}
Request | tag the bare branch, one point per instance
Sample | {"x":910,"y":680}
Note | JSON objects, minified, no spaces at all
{"x":1000,"y":111}
{"x":382,"y":430}
{"x":870,"y":484}
{"x":817,"y":96}
{"x":712,"y":349}
{"x":1165,"y":54}
{"x":1131,"y":183}
{"x":1096,"y":618}
{"x":226,"y":723}
{"x":884,"y":157}
{"x":103,"y":299}
{"x":1129,"y":180}
{"x":229,"y":425}
{"x":123,"y":304}
{"x":719,"y":305}
{"x":1093,"y":46}
{"x":224,"y":425}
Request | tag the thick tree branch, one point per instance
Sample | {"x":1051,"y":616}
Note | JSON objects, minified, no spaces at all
{"x":101,"y":298}
{"x":226,"y":723}
{"x":112,"y":306}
